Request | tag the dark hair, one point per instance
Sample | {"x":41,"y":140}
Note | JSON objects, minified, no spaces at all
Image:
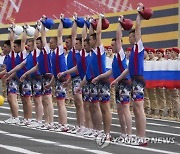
{"x":69,"y":37}
{"x":87,"y":41}
{"x":132,"y":31}
{"x":114,"y":39}
{"x":30,"y":40}
{"x":79,"y":39}
{"x":39,"y":38}
{"x":8,"y":43}
{"x":94,"y":36}
{"x":55,"y":38}
{"x":18,"y":42}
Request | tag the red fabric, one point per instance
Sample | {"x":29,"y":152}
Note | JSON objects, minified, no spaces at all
{"x":92,"y":74}
{"x":45,"y":60}
{"x":22,"y":61}
{"x":34,"y":58}
{"x":99,"y":60}
{"x":21,"y":56}
{"x":74,"y":56}
{"x":13,"y":59}
{"x":57,"y":61}
{"x":136,"y":60}
{"x":120,"y":62}
{"x":83,"y":60}
{"x":162,"y":83}
{"x":68,"y":7}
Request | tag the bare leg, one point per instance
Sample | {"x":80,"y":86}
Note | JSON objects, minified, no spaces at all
{"x":96,"y":116}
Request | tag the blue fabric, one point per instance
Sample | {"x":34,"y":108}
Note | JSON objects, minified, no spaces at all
{"x":70,"y":63}
{"x":80,"y":68}
{"x":41,"y":63}
{"x":94,"y":64}
{"x":62,"y":63}
{"x":115,"y":67}
{"x":140,"y":63}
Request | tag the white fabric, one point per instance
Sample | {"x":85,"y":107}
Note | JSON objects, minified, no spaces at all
{"x":122,"y":54}
{"x":1,"y":59}
{"x":24,"y":53}
{"x":76,"y":51}
{"x":38,"y":52}
{"x":10,"y":54}
{"x":102,"y":50}
{"x":109,"y":62}
{"x":86,"y":54}
{"x":140,"y":46}
{"x":61,"y":50}
{"x":66,"y":58}
{"x":165,"y":65}
{"x":46,"y":47}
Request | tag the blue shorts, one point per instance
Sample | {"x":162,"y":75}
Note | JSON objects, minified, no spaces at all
{"x":93,"y":93}
{"x":123,"y":92}
{"x":86,"y":92}
{"x":46,"y":80}
{"x":104,"y":91}
{"x":37,"y":86}
{"x":60,"y":90}
{"x":75,"y":84}
{"x":12,"y":86}
{"x":25,"y":88}
{"x":99,"y":92}
{"x":137,"y":91}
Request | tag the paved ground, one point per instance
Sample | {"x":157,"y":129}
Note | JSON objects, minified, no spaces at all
{"x":17,"y":139}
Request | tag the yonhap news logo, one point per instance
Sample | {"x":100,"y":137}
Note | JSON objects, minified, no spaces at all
{"x":153,"y":140}
{"x":134,"y":140}
{"x":161,"y":140}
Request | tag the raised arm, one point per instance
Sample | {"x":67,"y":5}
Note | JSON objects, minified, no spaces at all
{"x":99,"y":30}
{"x":74,"y":31}
{"x":36,"y":35}
{"x":60,"y":31}
{"x":11,"y":38}
{"x":138,"y":23}
{"x":24,"y":38}
{"x":91,"y":30}
{"x":119,"y":35}
{"x":84,"y":33}
{"x":43,"y":35}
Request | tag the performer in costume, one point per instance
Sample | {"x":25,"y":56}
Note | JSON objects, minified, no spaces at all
{"x":123,"y":88}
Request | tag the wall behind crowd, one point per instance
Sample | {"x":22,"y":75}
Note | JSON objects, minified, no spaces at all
{"x":160,"y":32}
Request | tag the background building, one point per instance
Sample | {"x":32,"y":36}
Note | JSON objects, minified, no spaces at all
{"x":162,"y":31}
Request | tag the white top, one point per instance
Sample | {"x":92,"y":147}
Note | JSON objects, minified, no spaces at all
{"x":1,"y":59}
{"x":61,"y":50}
{"x":101,"y":50}
{"x":122,"y":54}
{"x":140,"y":46}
